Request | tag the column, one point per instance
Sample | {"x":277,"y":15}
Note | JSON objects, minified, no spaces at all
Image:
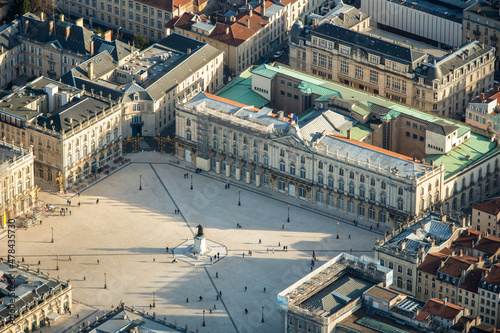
{"x":228,"y":167}
{"x":249,"y":173}
{"x":238,"y":171}
{"x":258,"y":177}
{"x":217,"y":164}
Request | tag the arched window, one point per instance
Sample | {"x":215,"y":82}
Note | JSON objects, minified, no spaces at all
{"x":341,"y":172}
{"x":302,"y":172}
{"x":214,"y":142}
{"x":281,"y":184}
{"x":282,"y":166}
{"x":350,"y":206}
{"x":235,"y":149}
{"x":408,"y":285}
{"x":351,"y":187}
{"x":255,"y":144}
{"x":383,"y":185}
{"x":381,"y":216}
{"x":400,"y":282}
{"x":115,"y":133}
{"x":371,"y":213}
{"x":265,"y":160}
{"x":101,"y":142}
{"x":188,"y":135}
{"x":245,"y":140}
{"x":292,"y":169}
{"x":340,"y":203}
{"x":462,"y":199}
{"x":361,"y":210}
{"x":188,"y":122}
{"x":436,"y":197}
{"x":282,"y":152}
{"x":28,"y":183}
{"x":256,"y":156}
{"x":341,"y":184}
{"x":224,"y":133}
{"x":400,"y":191}
{"x":302,"y":191}
{"x":234,"y":136}
{"x":362,"y":178}
{"x":70,"y":159}
{"x":320,"y":165}
{"x":351,"y":175}
{"x":215,"y":130}
{"x":108,"y":137}
{"x":421,"y":204}
{"x":373,"y":194}
{"x":77,"y":154}
{"x":266,"y":147}
{"x":19,"y":187}
{"x":224,"y":146}
{"x":400,"y":204}
{"x":245,"y":152}
{"x":372,"y":181}
{"x":320,"y":178}
{"x":331,"y":181}
{"x":85,"y":150}
{"x":383,"y":198}
{"x":429,"y":200}
{"x":362,"y":191}
{"x":320,"y":197}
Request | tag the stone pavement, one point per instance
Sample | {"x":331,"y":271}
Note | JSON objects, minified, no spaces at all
{"x":121,"y":242}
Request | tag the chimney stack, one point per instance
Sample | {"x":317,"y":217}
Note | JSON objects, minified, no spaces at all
{"x":90,"y":71}
{"x":107,"y":35}
{"x":79,"y":22}
{"x":68,"y":29}
{"x":91,"y":47}
{"x":349,"y":134}
{"x":227,"y":30}
{"x":443,"y":218}
{"x":461,"y":252}
{"x":51,"y":27}
{"x":263,"y":10}
{"x":26,"y":25}
{"x":248,"y":23}
{"x":42,"y":16}
{"x":250,"y":13}
{"x":315,"y":22}
{"x":188,"y":51}
{"x":452,"y":228}
{"x":61,"y":17}
{"x":479,"y":258}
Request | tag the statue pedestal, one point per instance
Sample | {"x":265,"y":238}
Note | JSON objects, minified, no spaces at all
{"x":200,"y":245}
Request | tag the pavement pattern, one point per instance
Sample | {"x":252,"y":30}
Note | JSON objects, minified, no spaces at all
{"x":121,"y":241}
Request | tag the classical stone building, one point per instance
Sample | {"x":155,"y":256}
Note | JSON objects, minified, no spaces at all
{"x":486,"y":216}
{"x":147,"y":83}
{"x":17,"y":181}
{"x":436,"y":84}
{"x":39,"y":300}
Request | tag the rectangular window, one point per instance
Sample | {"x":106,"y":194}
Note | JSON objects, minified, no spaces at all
{"x":344,"y":49}
{"x":344,"y":67}
{"x":373,"y":76}
{"x":358,"y":71}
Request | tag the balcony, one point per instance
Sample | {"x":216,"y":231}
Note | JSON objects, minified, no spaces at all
{"x":476,"y":32}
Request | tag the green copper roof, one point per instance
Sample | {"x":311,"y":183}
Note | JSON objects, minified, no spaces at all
{"x":476,"y":147}
{"x":240,"y":90}
{"x":358,"y":132}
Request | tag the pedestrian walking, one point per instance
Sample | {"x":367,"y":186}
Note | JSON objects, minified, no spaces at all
{"x":69,"y":213}
{"x":77,"y":316}
{"x":167,"y":249}
{"x":97,"y":201}
{"x":154,"y":260}
{"x":38,"y":262}
{"x":228,"y":185}
{"x":264,"y":289}
{"x":210,"y":311}
{"x":246,"y":311}
{"x":220,"y":293}
{"x":98,"y":261}
{"x":79,"y":203}
{"x":267,"y":250}
{"x":371,"y":227}
{"x":78,"y":194}
{"x":217,"y":298}
{"x":84,"y":279}
{"x":217,"y":275}
{"x":260,"y":241}
{"x":245,"y":288}
{"x":187,"y":300}
{"x":201,"y":298}
{"x":69,"y":258}
{"x":215,"y":307}
{"x":349,"y":236}
{"x":225,"y":186}
{"x":22,"y":259}
{"x":243,"y":254}
{"x":282,"y":226}
{"x":279,"y":244}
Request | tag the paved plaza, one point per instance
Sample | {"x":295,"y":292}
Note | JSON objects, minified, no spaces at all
{"x":123,"y":239}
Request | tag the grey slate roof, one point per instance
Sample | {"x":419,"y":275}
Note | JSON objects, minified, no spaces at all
{"x":441,"y":127}
{"x":116,"y":48}
{"x":329,"y":121}
{"x":180,"y":43}
{"x":78,"y":41}
{"x":377,"y":46}
{"x":9,"y":36}
{"x":79,"y":110}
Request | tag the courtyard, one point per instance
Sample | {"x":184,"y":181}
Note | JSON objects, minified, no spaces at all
{"x":121,"y":242}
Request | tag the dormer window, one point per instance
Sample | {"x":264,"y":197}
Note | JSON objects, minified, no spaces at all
{"x":344,"y":49}
{"x":374,"y":59}
{"x":136,"y":97}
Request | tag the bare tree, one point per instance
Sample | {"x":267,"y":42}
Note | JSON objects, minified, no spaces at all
{"x":46,"y":6}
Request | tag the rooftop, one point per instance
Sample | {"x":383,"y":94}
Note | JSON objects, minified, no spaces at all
{"x":454,"y":265}
{"x":493,"y":275}
{"x":483,"y":9}
{"x":382,"y":293}
{"x":240,"y":90}
{"x":491,"y":206}
{"x":432,"y":261}
{"x":439,"y":308}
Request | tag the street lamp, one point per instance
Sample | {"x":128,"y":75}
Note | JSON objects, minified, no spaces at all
{"x":140,"y":182}
{"x":239,"y":197}
{"x":337,"y":230}
{"x":191,"y":181}
{"x":52,"y":234}
{"x":57,"y":262}
{"x":154,"y":303}
{"x":203,"y":318}
{"x":288,"y":218}
{"x":105,"y":284}
{"x":262,"y":314}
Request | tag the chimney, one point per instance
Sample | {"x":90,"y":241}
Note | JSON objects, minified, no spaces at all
{"x":479,"y":258}
{"x":68,"y":29}
{"x":444,"y":301}
{"x":42,"y":16}
{"x":315,"y":22}
{"x":263,"y":10}
{"x":461,"y":252}
{"x":452,"y":228}
{"x":482,"y":95}
{"x":342,"y":16}
{"x":227,"y":30}
{"x":91,"y":47}
{"x":349,"y":134}
{"x":443,"y":218}
{"x":61,"y":17}
{"x":90,"y":71}
{"x":51,"y":27}
{"x":79,"y":22}
{"x":462,"y":222}
{"x":107,"y":35}
{"x":250,"y":13}
{"x":361,"y":16}
{"x":26,"y":25}
{"x":248,"y":23}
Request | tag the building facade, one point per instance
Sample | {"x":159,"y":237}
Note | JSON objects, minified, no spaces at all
{"x":486,"y":217}
{"x":443,"y":85}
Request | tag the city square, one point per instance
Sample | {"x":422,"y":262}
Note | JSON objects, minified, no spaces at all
{"x":114,"y":250}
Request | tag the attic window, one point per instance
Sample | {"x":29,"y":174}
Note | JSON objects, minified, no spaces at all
{"x":136,"y":97}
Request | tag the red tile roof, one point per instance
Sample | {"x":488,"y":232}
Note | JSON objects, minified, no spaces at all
{"x":493,"y":275}
{"x":439,"y":308}
{"x":453,"y":266}
{"x":467,"y":238}
{"x":432,"y":262}
{"x":228,"y":101}
{"x":491,"y":206}
{"x":168,"y":5}
{"x":471,"y":281}
{"x":488,"y":244}
{"x":235,"y":33}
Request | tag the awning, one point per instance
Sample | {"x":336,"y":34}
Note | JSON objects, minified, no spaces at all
{"x":53,"y":316}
